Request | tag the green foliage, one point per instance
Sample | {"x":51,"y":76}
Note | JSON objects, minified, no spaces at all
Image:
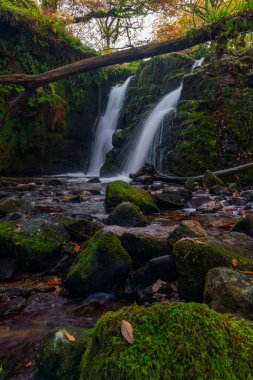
{"x":171,"y":342}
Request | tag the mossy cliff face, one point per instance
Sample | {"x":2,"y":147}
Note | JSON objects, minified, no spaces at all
{"x":52,"y":132}
{"x":171,"y":342}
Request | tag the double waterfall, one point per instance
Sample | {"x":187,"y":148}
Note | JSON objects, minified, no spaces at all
{"x":144,"y":144}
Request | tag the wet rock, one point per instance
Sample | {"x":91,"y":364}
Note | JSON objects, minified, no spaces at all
{"x":59,"y":358}
{"x":200,"y":200}
{"x":14,"y":216}
{"x":160,"y":268}
{"x":8,"y":268}
{"x":244,"y":225}
{"x":79,"y":229}
{"x":146,"y":170}
{"x":195,"y":257}
{"x":26,"y":186}
{"x":63,"y":264}
{"x":143,"y":248}
{"x":120,"y":191}
{"x":144,"y":179}
{"x":43,"y":301}
{"x":217,"y":190}
{"x":237,"y":201}
{"x":233,"y":187}
{"x":187,"y":229}
{"x":16,"y":292}
{"x":247,"y":195}
{"x":94,"y":180}
{"x":71,"y":198}
{"x":54,"y":182}
{"x":46,"y":208}
{"x":228,"y":291}
{"x":11,"y":205}
{"x":156,"y":185}
{"x":171,"y":198}
{"x":14,"y":306}
{"x":102,"y":263}
{"x":190,"y":184}
{"x":127,"y":214}
{"x":210,"y":207}
{"x":210,"y":180}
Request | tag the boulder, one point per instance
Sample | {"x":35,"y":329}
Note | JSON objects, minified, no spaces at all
{"x":78,"y":228}
{"x":175,"y":341}
{"x":58,"y":357}
{"x":244,"y":225}
{"x":8,"y":268}
{"x":187,"y":229}
{"x":210,"y":180}
{"x":217,"y":190}
{"x":120,"y":191}
{"x":160,"y":268}
{"x":228,"y":291}
{"x":171,"y":198}
{"x":127,"y":214}
{"x":195,"y":257}
{"x":11,"y":205}
{"x":101,"y":264}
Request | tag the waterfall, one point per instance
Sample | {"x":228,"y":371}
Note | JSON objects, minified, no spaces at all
{"x":106,"y":127}
{"x":144,"y":146}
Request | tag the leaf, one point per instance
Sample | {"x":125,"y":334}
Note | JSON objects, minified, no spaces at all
{"x":29,"y":365}
{"x":234,"y":263}
{"x":70,"y":338}
{"x":54,"y":281}
{"x":127,"y":331}
{"x":77,"y":248}
{"x":248,"y":272}
{"x":17,"y":243}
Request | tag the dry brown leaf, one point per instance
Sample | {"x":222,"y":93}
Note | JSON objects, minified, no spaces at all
{"x":17,"y":243}
{"x":127,"y":331}
{"x":29,"y":365}
{"x":69,"y":337}
{"x":234,"y":263}
{"x":77,"y":248}
{"x":55,"y":281}
{"x":248,"y":272}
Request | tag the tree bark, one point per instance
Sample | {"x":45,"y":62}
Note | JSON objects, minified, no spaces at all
{"x":197,"y":178}
{"x":240,"y":22}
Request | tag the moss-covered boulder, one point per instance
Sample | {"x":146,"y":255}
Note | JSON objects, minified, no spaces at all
{"x":78,"y":228}
{"x":120,"y":191}
{"x":187,"y":229}
{"x":171,"y":342}
{"x":10,"y":205}
{"x":58,"y":358}
{"x":35,"y":245}
{"x":101,"y":264}
{"x":127,"y":214}
{"x":142,"y":248}
{"x":228,"y":291}
{"x":195,"y":257}
{"x":210,"y":180}
{"x":171,"y":198}
{"x":244,"y":225}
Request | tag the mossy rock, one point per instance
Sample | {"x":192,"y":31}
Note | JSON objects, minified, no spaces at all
{"x":120,"y":191}
{"x":101,"y":264}
{"x":59,"y":359}
{"x":127,"y":214}
{"x":34,"y":246}
{"x":187,"y":229}
{"x":244,"y":225}
{"x":228,"y":291}
{"x":10,"y":205}
{"x":195,"y":257}
{"x":210,"y":180}
{"x":171,"y":342}
{"x":78,"y":228}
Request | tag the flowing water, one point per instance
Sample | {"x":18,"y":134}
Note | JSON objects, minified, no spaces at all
{"x":106,"y":127}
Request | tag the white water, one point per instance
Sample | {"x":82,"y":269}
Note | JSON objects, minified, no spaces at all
{"x":106,"y":127}
{"x":198,"y":63}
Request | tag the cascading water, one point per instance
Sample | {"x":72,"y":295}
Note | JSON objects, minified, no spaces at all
{"x":106,"y":127}
{"x":144,"y":145}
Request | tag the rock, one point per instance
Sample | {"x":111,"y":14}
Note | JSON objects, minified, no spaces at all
{"x":11,"y":205}
{"x":8,"y":268}
{"x":127,"y":214}
{"x":156,"y":185}
{"x":102,"y":263}
{"x":78,"y":228}
{"x":187,"y":229}
{"x":198,"y":201}
{"x":171,"y":198}
{"x":217,"y":190}
{"x":14,"y":306}
{"x":43,"y":301}
{"x":171,"y":342}
{"x":146,"y":170}
{"x":210,"y":207}
{"x":26,"y":186}
{"x":244,"y":225}
{"x":228,"y":291}
{"x":94,"y":180}
{"x":247,"y":195}
{"x":143,"y":248}
{"x":195,"y":257}
{"x":233,"y":187}
{"x":190,"y":184}
{"x":54,"y":182}
{"x":160,"y":268}
{"x":210,"y":180}
{"x":57,"y":357}
{"x":237,"y":201}
{"x":72,"y":198}
{"x":34,"y":244}
{"x":144,"y":179}
{"x":120,"y":191}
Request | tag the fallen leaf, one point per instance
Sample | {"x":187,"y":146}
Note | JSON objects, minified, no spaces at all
{"x":234,"y":263}
{"x":77,"y":248}
{"x":57,"y":291}
{"x":17,"y":243}
{"x":29,"y":365}
{"x":247,"y":272}
{"x":55,"y":281}
{"x":55,"y":213}
{"x":127,"y":331}
{"x":69,"y":337}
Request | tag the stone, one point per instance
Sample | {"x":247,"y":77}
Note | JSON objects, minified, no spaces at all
{"x":190,"y":184}
{"x":8,"y":268}
{"x":94,"y":180}
{"x":26,"y":186}
{"x":228,"y":291}
{"x":210,"y":207}
{"x":210,"y":180}
{"x":247,"y":195}
{"x":187,"y":229}
{"x":79,"y":229}
{"x":244,"y":225}
{"x":195,"y":257}
{"x":104,"y":262}
{"x":13,"y":306}
{"x":127,"y":214}
{"x":11,"y":205}
{"x":160,"y":268}
{"x":217,"y":190}
{"x":43,"y":301}
{"x":120,"y":191}
{"x":171,"y":198}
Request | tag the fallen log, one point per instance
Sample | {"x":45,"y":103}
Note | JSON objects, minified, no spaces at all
{"x":198,"y":178}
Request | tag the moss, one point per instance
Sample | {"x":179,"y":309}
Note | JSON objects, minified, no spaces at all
{"x":195,"y":257}
{"x":120,"y":191}
{"x":127,"y":214}
{"x":59,"y":359}
{"x":102,"y":263}
{"x":171,"y":342}
{"x":210,"y":180}
{"x":33,"y":250}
